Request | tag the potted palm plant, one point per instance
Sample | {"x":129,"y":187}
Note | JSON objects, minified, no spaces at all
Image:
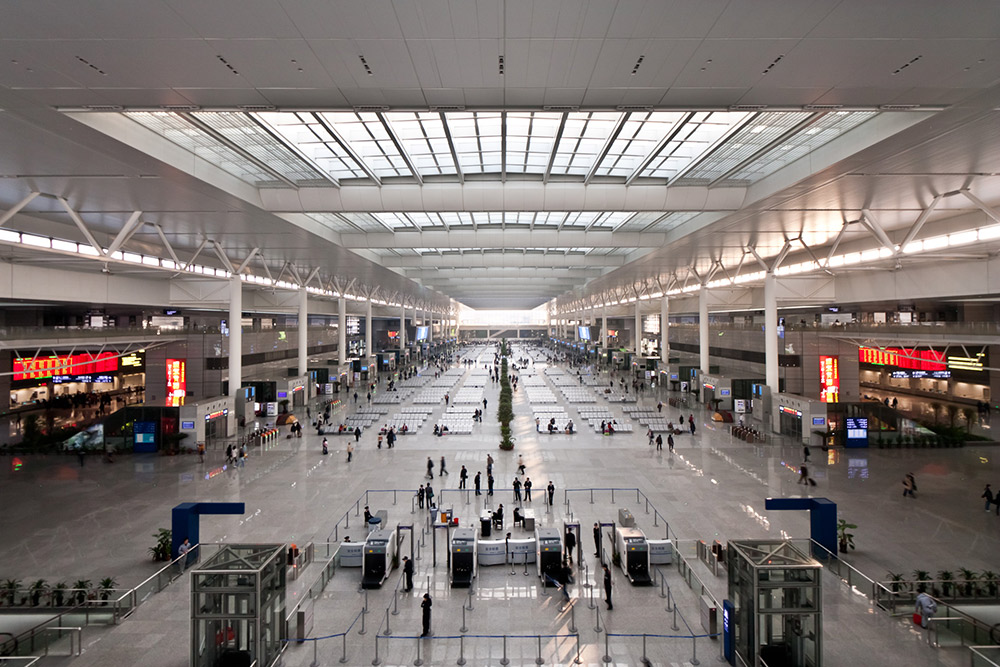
{"x":845,"y":539}
{"x":989,"y":580}
{"x":969,"y":580}
{"x":947,"y":579}
{"x":38,"y":591}
{"x":10,"y":590}
{"x":81,"y":590}
{"x":59,"y":594}
{"x":106,"y":587}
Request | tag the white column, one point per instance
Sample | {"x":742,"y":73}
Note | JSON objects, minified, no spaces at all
{"x":576,"y":329}
{"x":430,"y":331}
{"x":703,"y":328}
{"x":771,"y":332}
{"x":664,"y":329}
{"x":604,"y":326}
{"x":304,"y":335}
{"x":235,"y":334}
{"x":342,"y":330}
{"x":402,"y":328}
{"x":368,"y":327}
{"x":638,"y":329}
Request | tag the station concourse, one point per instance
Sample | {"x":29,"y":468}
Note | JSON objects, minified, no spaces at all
{"x":234,"y":234}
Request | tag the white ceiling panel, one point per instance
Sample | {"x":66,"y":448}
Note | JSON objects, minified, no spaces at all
{"x":344,"y":19}
{"x":234,"y":19}
{"x":906,"y":19}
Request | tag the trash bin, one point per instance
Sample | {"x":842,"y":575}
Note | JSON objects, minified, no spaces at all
{"x":485,"y":526}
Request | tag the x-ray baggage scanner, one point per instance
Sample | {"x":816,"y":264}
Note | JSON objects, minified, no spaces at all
{"x":379,"y":552}
{"x":548,"y":555}
{"x":463,"y":557}
{"x":634,"y":550}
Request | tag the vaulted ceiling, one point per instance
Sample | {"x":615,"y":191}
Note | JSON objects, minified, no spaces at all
{"x":498,"y":153}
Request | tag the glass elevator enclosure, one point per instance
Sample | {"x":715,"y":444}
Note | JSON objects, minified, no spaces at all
{"x":238,"y":606}
{"x":776,"y":593}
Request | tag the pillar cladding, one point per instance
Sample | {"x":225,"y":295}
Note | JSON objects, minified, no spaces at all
{"x":664,"y":329}
{"x":771,"y":332}
{"x":402,"y":327}
{"x":638,"y":329}
{"x":303,"y":339}
{"x":342,"y":331}
{"x":235,"y":335}
{"x":703,"y":359}
{"x":368,"y":327}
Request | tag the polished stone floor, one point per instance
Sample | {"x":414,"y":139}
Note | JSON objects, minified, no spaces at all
{"x":63,"y":522}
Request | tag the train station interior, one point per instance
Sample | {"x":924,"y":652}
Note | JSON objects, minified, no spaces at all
{"x":684,"y":311}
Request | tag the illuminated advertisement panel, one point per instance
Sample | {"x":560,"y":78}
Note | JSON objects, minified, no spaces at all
{"x":829,"y":379}
{"x":28,"y":368}
{"x":176,"y":382}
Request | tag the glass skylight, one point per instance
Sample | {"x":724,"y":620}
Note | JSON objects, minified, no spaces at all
{"x":582,"y":140}
{"x":240,"y":130}
{"x":824,"y":130}
{"x":313,"y":137}
{"x":690,"y":142}
{"x":530,"y":137}
{"x":368,"y":137}
{"x":638,"y":138}
{"x":177,"y":129}
{"x":423,"y":137}
{"x":477,"y":138}
{"x":687,"y":147}
{"x":759,"y":133}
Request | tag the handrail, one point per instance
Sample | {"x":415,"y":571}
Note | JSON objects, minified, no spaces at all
{"x":984,"y":661}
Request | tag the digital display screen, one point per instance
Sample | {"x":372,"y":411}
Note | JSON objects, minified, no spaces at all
{"x":187,"y":425}
{"x":176,"y":382}
{"x":829,"y":379}
{"x":422,"y":333}
{"x":27,"y":368}
{"x":584,"y":333}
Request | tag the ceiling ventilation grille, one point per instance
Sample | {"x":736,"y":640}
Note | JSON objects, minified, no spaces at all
{"x":371,"y":107}
{"x":633,"y":107}
{"x":748,"y":107}
{"x":448,"y":107}
{"x":256,"y":107}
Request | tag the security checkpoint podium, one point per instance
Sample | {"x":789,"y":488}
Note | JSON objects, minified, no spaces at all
{"x":776,"y":594}
{"x":238,"y":606}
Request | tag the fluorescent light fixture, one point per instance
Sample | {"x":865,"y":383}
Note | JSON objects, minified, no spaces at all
{"x":36,"y":241}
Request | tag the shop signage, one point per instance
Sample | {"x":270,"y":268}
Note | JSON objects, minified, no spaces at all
{"x":28,"y":368}
{"x":176,"y":382}
{"x":829,"y":379}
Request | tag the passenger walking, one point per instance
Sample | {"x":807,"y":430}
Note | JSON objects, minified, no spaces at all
{"x":463,"y":475}
{"x":408,"y":573}
{"x":475,"y":481}
{"x":425,"y":607}
{"x":670,"y":442}
{"x":691,"y":423}
{"x":805,"y":453}
{"x":988,"y":494}
{"x":803,"y":475}
{"x":357,"y":434}
{"x":659,"y":442}
{"x":925,"y":606}
{"x":607,"y":587}
{"x":350,"y":451}
{"x":520,"y":464}
{"x":489,"y":485}
{"x":909,"y":485}
{"x":326,"y":447}
{"x":429,"y":492}
{"x":442,"y":470}
{"x":430,"y":468}
{"x":570,"y":544}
